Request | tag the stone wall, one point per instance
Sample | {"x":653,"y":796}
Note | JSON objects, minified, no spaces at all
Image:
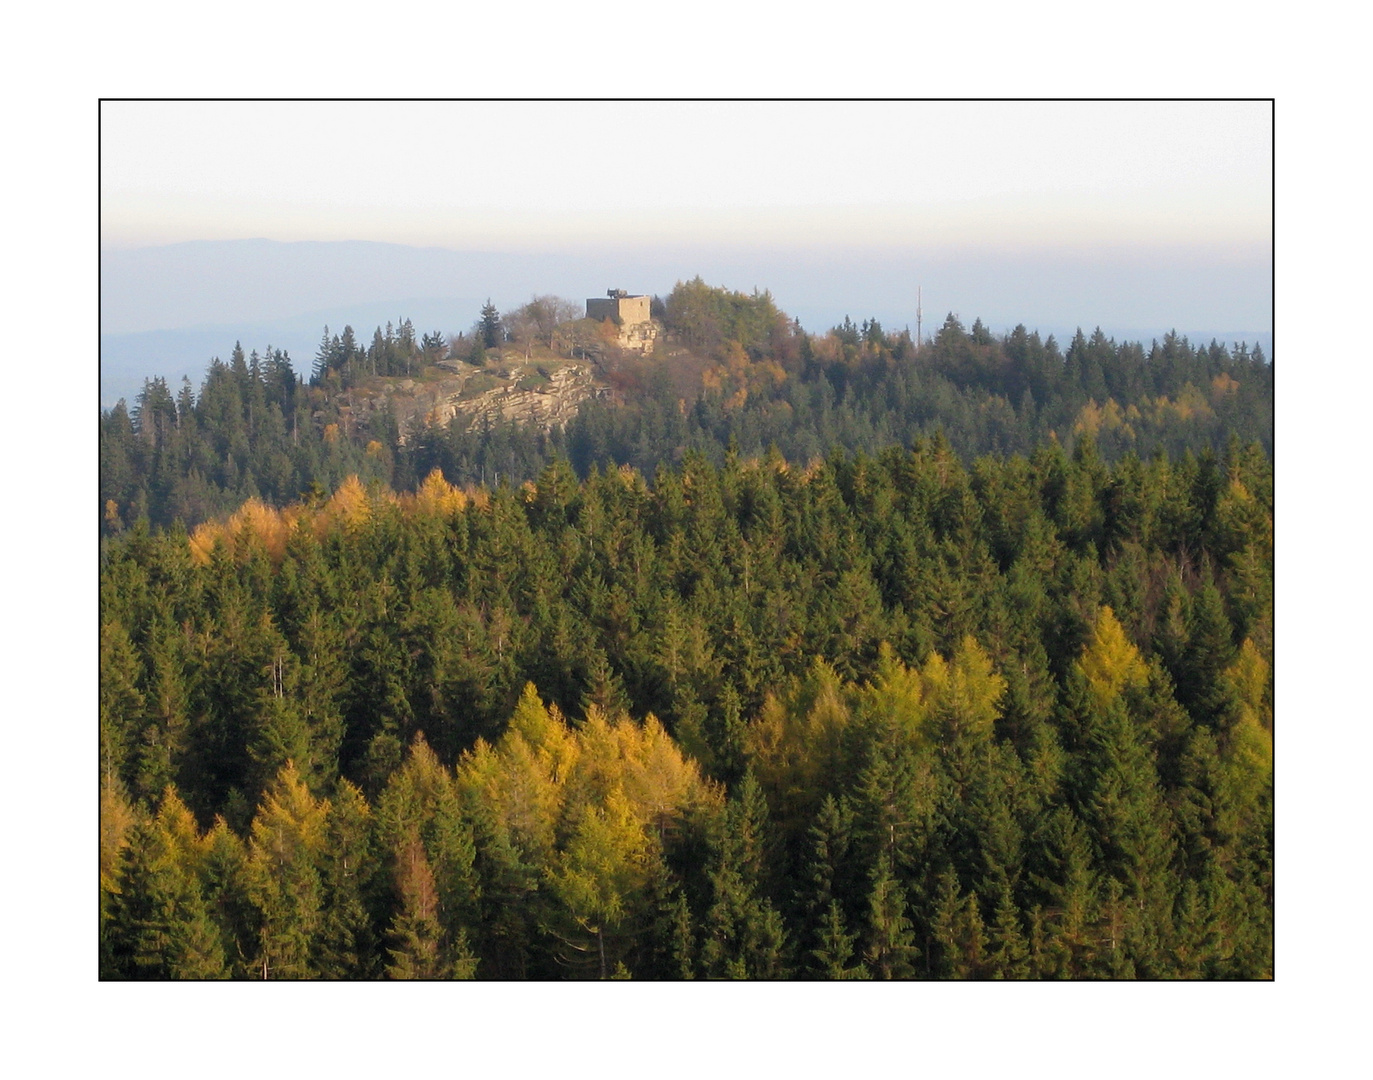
{"x":625,"y":310}
{"x":632,"y":314}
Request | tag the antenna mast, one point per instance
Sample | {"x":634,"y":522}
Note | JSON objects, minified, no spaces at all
{"x":919,"y":333}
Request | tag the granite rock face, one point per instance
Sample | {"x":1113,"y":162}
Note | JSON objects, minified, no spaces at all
{"x":546,"y":395}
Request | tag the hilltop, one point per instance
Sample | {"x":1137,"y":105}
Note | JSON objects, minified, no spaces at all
{"x":712,"y":370}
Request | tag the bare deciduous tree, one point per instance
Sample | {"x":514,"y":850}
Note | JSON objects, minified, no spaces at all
{"x":548,"y":313}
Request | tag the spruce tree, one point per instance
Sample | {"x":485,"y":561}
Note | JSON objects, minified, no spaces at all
{"x":891,"y":947}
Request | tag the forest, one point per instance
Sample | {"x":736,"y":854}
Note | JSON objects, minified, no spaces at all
{"x":870,"y":660}
{"x":751,"y":380}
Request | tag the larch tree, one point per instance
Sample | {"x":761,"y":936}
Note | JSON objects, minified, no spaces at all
{"x":284,"y":855}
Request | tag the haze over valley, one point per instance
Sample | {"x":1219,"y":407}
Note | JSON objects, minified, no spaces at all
{"x":166,"y":310}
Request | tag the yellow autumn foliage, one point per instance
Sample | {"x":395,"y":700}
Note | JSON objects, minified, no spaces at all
{"x":1222,"y":385}
{"x":604,"y":865}
{"x":659,"y":783}
{"x":1251,"y":747}
{"x":1110,"y":660}
{"x":546,"y":732}
{"x":963,"y":693}
{"x":828,"y":348}
{"x":253,"y":522}
{"x":542,"y":777}
{"x":272,"y":528}
{"x":1190,"y":403}
{"x":769,"y":371}
{"x":116,"y":819}
{"x":521,"y":777}
{"x":897,"y":696}
{"x":203,"y":541}
{"x":1249,"y":674}
{"x":349,"y":507}
{"x":178,"y":825}
{"x":797,"y":739}
{"x":1093,"y":419}
{"x":1252,"y":739}
{"x":1242,"y":518}
{"x":1249,"y":753}
{"x":632,"y":479}
{"x":436,"y":496}
{"x":288,"y":827}
{"x":801,"y":737}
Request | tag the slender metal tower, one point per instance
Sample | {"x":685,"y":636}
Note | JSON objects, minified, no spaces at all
{"x":919,"y":333}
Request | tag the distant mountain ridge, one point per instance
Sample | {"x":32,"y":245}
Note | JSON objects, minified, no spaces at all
{"x":126,"y":360}
{"x":208,"y":283}
{"x":167,"y":310}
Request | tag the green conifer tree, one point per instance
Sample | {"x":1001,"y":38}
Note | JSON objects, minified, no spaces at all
{"x":891,"y":950}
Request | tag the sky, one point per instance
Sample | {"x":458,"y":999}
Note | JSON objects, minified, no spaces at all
{"x":792,"y":175}
{"x":229,"y":220}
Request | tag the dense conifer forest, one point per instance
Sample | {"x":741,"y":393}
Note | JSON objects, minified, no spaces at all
{"x":753,"y":380}
{"x":843,"y":658}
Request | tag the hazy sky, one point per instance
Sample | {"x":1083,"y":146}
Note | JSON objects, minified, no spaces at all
{"x":530,"y":176}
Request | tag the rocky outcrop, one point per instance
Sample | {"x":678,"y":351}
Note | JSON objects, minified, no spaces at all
{"x":548,"y":404}
{"x":546,"y":395}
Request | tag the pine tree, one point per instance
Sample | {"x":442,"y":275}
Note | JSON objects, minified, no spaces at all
{"x":1203,"y":687}
{"x":227,"y":888}
{"x":744,"y":936}
{"x":827,"y":879}
{"x":835,"y":947}
{"x":121,"y":701}
{"x":491,"y":334}
{"x":1122,"y":805}
{"x":346,"y":945}
{"x":160,"y":926}
{"x":163,"y":743}
{"x":1068,"y":881}
{"x":683,"y":938}
{"x":1009,"y":957}
{"x":891,"y":947}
